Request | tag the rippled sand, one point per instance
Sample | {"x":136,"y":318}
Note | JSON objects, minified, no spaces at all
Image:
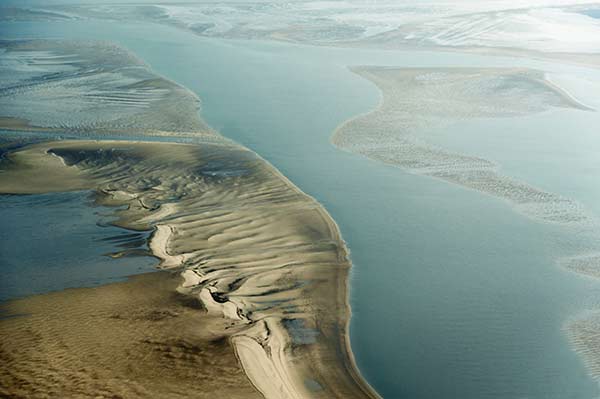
{"x":264,"y":262}
{"x":251,"y":247}
{"x":89,"y":88}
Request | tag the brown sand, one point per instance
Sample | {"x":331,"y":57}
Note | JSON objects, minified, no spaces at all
{"x":136,"y":339}
{"x":266,"y":261}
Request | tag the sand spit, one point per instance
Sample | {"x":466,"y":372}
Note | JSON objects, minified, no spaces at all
{"x":90,"y":88}
{"x":417,"y":100}
{"x":260,"y":256}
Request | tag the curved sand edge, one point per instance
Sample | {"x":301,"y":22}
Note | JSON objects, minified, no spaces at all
{"x":249,"y":244}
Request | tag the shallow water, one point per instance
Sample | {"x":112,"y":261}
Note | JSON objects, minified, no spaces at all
{"x":50,"y":242}
{"x":454,"y":295}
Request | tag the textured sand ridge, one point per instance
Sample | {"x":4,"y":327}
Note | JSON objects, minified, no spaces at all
{"x":251,"y":247}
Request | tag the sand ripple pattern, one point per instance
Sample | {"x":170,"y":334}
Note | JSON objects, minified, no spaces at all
{"x":89,"y":87}
{"x":264,"y":260}
{"x":250,"y":246}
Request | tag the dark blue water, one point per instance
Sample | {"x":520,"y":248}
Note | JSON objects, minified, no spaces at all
{"x":50,"y":242}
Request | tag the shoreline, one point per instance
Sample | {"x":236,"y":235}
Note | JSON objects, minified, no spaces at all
{"x":344,"y":281}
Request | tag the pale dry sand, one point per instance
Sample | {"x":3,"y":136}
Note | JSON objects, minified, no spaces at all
{"x":261,"y":257}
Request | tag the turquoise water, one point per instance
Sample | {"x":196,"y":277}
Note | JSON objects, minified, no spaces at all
{"x":454,"y":295}
{"x":50,"y":242}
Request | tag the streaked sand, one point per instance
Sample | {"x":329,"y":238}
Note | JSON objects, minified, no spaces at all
{"x":90,"y":89}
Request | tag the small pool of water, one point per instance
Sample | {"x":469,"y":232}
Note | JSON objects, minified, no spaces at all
{"x":50,"y":242}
